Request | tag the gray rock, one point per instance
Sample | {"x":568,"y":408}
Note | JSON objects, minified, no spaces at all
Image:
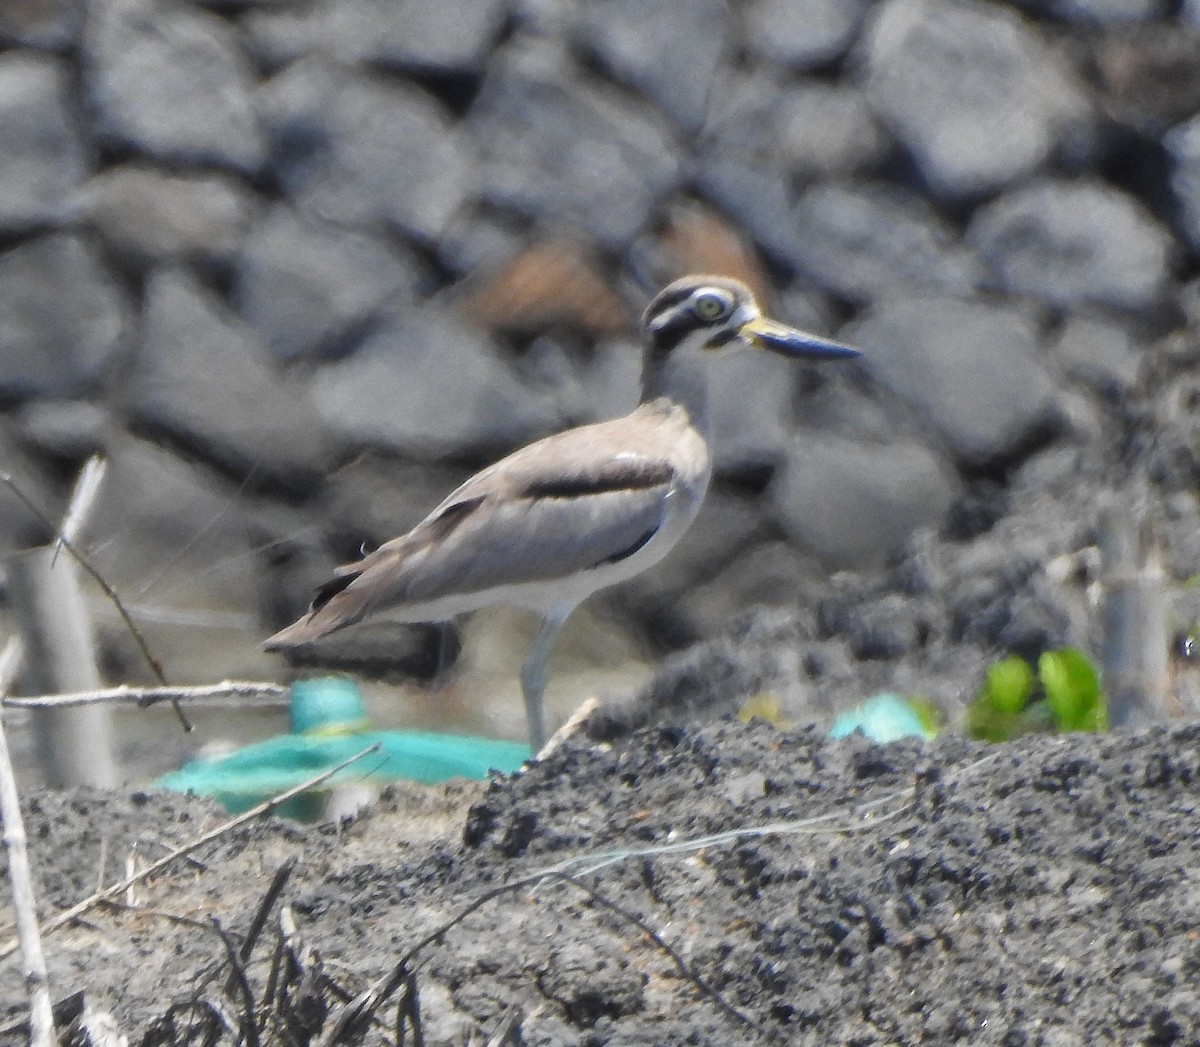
{"x":205,"y":379}
{"x":479,"y":241}
{"x":758,"y":196}
{"x":359,"y":150}
{"x":750,"y":398}
{"x":422,"y":35}
{"x":41,"y":155}
{"x":670,"y":51}
{"x":882,"y":630}
{"x":560,"y":151}
{"x":988,"y":610}
{"x":803,"y":34}
{"x":180,"y":545}
{"x":802,"y":306}
{"x":50,"y":24}
{"x":376,"y":496}
{"x":237,"y":6}
{"x":1100,"y":353}
{"x":828,"y":129}
{"x":858,"y":409}
{"x":438,"y":35}
{"x":1182,"y":144}
{"x":1148,"y":80}
{"x":854,"y":504}
{"x":553,"y":369}
{"x":971,"y":369}
{"x":426,"y":384}
{"x":67,"y":429}
{"x":971,"y":90}
{"x":743,"y":118}
{"x":305,"y":285}
{"x":1068,"y":243}
{"x":876,"y":241}
{"x":62,"y":321}
{"x":610,"y":383}
{"x":147,"y":216}
{"x":171,"y":82}
{"x":1098,"y":12}
{"x":766,"y":574}
{"x":808,"y":127}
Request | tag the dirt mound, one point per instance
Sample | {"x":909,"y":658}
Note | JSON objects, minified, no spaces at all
{"x":732,"y":884}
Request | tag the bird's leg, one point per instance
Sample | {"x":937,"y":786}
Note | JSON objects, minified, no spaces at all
{"x":533,"y":677}
{"x":448,"y":646}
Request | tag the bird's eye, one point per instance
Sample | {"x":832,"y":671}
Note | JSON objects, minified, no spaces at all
{"x":710,"y":307}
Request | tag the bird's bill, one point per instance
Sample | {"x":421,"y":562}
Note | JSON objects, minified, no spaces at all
{"x":769,"y":334}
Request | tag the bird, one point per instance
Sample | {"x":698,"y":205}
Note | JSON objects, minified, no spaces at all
{"x":578,"y":511}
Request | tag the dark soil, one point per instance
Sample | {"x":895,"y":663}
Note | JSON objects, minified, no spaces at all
{"x":1044,"y":892}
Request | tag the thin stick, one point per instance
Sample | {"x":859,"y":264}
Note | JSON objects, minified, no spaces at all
{"x":268,"y":997}
{"x":278,"y":882}
{"x":155,"y":665}
{"x":41,"y":1016}
{"x":408,"y":1013}
{"x":87,"y":487}
{"x":1135,"y":666}
{"x":67,"y":915}
{"x":239,"y":978}
{"x":10,"y":663}
{"x":574,"y":722}
{"x":147,"y":696}
{"x":508,"y":1025}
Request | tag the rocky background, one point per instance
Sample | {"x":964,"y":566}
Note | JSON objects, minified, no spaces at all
{"x":299,"y":266}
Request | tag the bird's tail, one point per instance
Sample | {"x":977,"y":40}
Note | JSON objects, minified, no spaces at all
{"x":329,"y":610}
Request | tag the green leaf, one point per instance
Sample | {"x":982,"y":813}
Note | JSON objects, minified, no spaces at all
{"x":1072,"y":688}
{"x":996,"y":714}
{"x":1009,"y":684}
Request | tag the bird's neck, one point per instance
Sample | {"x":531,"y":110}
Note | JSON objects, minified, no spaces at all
{"x":679,"y":376}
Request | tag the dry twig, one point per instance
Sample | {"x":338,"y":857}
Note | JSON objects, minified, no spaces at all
{"x":41,"y":1017}
{"x":506,"y":1034}
{"x":272,"y":694}
{"x":83,"y":497}
{"x":238,"y":976}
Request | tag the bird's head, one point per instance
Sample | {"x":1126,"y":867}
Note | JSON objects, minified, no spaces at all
{"x":711,"y":312}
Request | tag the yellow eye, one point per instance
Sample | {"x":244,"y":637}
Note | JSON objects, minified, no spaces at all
{"x":710,"y":307}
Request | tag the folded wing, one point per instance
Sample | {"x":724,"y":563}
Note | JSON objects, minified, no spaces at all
{"x":556,"y":509}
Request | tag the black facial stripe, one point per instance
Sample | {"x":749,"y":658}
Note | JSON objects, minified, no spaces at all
{"x":676,"y":328}
{"x":668,"y":299}
{"x":722,"y":338}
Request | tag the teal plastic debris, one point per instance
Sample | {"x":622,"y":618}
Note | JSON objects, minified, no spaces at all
{"x":884,"y":718}
{"x":327,"y":705}
{"x":329,"y":720}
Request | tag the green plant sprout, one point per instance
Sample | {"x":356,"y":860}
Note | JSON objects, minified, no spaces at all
{"x":1063,"y":695}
